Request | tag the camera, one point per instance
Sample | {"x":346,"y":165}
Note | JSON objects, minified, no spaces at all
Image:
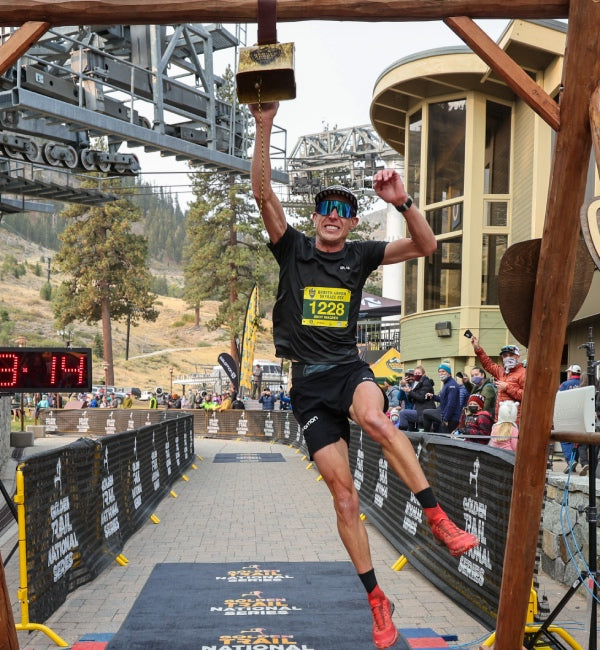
{"x":468,"y":334}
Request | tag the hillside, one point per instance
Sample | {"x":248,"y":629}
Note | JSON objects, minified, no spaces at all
{"x":154,"y":348}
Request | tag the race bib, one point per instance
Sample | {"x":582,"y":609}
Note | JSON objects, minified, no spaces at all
{"x":325,"y":307}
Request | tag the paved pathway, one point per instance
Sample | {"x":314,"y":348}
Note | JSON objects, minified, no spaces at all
{"x":230,"y":512}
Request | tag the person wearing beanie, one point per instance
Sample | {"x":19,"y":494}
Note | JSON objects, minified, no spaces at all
{"x":505,"y":432}
{"x":475,"y":422}
{"x":570,"y":449}
{"x":509,"y":377}
{"x":445,"y":418}
{"x":315,"y":316}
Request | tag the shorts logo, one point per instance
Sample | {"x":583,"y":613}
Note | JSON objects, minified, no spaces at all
{"x":311,"y":421}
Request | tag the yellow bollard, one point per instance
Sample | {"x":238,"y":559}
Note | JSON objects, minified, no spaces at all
{"x":173,"y":494}
{"x":154,"y":519}
{"x":399,"y":563}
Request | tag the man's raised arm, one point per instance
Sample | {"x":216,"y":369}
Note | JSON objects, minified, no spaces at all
{"x":267,"y":201}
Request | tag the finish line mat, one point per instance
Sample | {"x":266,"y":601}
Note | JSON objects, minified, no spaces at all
{"x":237,"y":606}
{"x":249,"y":458}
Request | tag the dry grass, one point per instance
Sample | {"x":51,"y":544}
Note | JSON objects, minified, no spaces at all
{"x":170,"y":342}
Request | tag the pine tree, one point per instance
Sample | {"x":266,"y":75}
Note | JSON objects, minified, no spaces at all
{"x":226,"y":251}
{"x":108,"y":276}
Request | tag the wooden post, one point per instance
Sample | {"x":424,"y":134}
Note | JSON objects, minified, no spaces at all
{"x":8,"y":632}
{"x":140,"y":12}
{"x":549,"y":317}
{"x":20,"y":42}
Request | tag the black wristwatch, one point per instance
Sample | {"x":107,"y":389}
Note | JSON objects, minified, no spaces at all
{"x":404,"y":207}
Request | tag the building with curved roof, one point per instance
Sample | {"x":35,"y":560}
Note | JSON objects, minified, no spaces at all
{"x":478,"y":164}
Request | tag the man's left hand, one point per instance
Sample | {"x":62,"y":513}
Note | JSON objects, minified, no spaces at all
{"x":389,"y":186}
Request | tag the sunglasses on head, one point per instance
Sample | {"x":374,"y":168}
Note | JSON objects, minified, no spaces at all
{"x":344,"y":210}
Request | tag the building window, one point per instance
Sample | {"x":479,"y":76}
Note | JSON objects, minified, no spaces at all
{"x":497,"y":148}
{"x":446,"y":150}
{"x":494,"y":247}
{"x":446,"y":220}
{"x":413,"y":156}
{"x":495,"y":214}
{"x":409,"y":304}
{"x":443,"y":275}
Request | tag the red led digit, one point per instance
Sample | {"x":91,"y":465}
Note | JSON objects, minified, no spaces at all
{"x":53,"y":370}
{"x":78,"y":371}
{"x":9,"y":365}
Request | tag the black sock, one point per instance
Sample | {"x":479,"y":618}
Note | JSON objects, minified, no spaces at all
{"x":426,"y":498}
{"x":369,"y":580}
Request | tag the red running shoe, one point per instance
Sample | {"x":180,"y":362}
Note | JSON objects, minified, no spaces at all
{"x":385,"y":633}
{"x":457,"y":540}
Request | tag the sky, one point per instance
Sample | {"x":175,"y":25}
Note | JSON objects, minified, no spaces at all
{"x":337,"y":64}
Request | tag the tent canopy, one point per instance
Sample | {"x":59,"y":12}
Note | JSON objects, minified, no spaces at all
{"x":372,"y":306}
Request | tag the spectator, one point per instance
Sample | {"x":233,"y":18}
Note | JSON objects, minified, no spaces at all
{"x":209,"y":403}
{"x":285,"y":402}
{"x":256,"y":380}
{"x":510,"y":376}
{"x":570,"y":450}
{"x":505,"y":432}
{"x":395,"y":416}
{"x":236,"y":402}
{"x":226,"y":402}
{"x":418,"y":394}
{"x":152,"y":402}
{"x":267,"y":400}
{"x":392,"y":390}
{"x":445,"y":418}
{"x":174,"y":401}
{"x":127,"y":401}
{"x":462,"y":390}
{"x":185,"y":403}
{"x":475,"y":423}
{"x":481,"y":384}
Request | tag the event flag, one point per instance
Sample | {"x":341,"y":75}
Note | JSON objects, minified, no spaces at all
{"x":249,"y":340}
{"x":230,"y":367}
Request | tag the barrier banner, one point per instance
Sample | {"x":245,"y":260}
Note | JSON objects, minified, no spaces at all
{"x":83,"y":501}
{"x":102,"y":422}
{"x":474,"y":485}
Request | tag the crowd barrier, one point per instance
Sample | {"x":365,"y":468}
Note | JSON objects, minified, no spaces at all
{"x":472,"y":481}
{"x":80,"y":503}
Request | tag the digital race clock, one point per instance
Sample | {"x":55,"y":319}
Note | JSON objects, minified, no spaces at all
{"x":45,"y":370}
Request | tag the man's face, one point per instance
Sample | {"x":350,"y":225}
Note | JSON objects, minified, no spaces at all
{"x":332,"y":229}
{"x":475,"y":373}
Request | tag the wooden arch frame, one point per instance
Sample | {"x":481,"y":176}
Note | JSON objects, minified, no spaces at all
{"x":581,"y":75}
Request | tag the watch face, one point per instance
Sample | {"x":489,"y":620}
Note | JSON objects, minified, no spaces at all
{"x":45,"y":370}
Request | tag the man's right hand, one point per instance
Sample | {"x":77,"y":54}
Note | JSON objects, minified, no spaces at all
{"x":475,"y":343}
{"x":268,"y":110}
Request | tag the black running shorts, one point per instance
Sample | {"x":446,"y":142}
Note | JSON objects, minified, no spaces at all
{"x":321,"y":399}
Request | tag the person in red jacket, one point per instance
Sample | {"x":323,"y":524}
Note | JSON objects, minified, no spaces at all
{"x":475,"y":423}
{"x":510,"y":376}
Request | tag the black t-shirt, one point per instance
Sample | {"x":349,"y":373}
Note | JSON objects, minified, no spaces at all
{"x":319,"y":295}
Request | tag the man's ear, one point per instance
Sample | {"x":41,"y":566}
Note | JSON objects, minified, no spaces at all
{"x":354,"y":223}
